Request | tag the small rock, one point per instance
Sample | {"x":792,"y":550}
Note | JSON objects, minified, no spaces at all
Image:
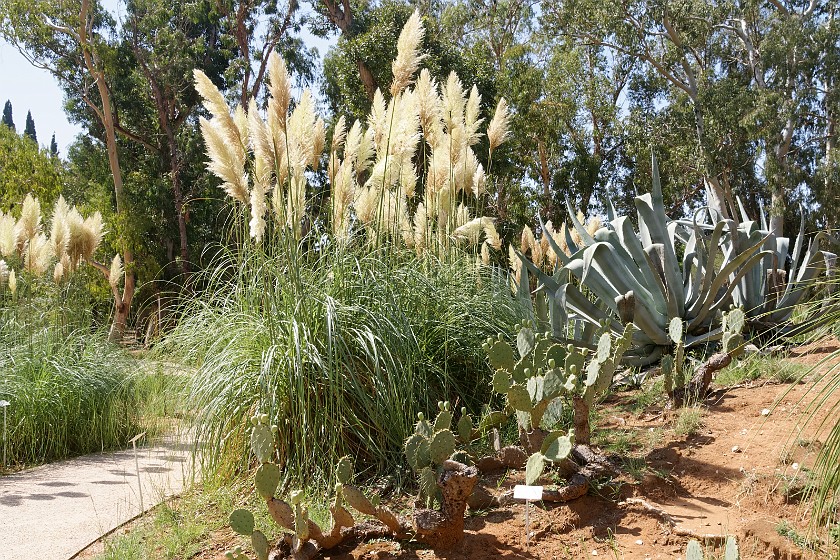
{"x":765,"y":412}
{"x":594,"y":553}
{"x":489,"y":464}
{"x":640,"y":541}
{"x":751,"y":349}
{"x":512,"y":457}
{"x":736,"y":449}
{"x":795,"y":466}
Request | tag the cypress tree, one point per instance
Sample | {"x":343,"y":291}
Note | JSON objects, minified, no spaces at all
{"x":53,"y":146}
{"x":7,"y":115}
{"x":30,"y":127}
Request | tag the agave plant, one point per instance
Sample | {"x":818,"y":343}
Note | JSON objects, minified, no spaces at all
{"x":770,"y":291}
{"x":619,"y":275}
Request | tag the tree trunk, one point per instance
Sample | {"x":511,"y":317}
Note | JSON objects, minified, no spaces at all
{"x":581,"y":420}
{"x":107,"y":117}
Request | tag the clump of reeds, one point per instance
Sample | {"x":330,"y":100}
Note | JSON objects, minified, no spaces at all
{"x":72,"y":239}
{"x":373,"y":168}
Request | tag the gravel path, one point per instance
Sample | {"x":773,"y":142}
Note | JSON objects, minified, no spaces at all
{"x":54,"y":511}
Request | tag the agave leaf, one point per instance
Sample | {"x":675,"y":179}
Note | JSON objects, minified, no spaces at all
{"x":748,"y":259}
{"x":561,"y":255}
{"x":584,"y":235}
{"x":568,"y":295}
{"x":652,"y":220}
{"x":603,"y":257}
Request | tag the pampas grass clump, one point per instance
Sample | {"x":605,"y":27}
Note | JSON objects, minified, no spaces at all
{"x":372,"y":168}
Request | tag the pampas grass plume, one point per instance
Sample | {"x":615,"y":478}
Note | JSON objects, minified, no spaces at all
{"x":497,"y":130}
{"x":29,"y":224}
{"x":408,"y":54}
{"x":58,"y":272}
{"x":116,"y":272}
{"x":12,"y":281}
{"x":8,"y":235}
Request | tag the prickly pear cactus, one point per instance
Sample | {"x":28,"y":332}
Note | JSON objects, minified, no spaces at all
{"x":556,"y":447}
{"x":262,"y":438}
{"x":673,"y":365}
{"x":433,"y":443}
{"x":732,"y":338}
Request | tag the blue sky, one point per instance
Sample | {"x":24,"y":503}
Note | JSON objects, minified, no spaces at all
{"x":33,"y":89}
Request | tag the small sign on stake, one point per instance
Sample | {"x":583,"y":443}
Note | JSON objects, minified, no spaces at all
{"x":529,"y":494}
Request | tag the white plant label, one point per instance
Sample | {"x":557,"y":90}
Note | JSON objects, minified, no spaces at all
{"x":528,"y":493}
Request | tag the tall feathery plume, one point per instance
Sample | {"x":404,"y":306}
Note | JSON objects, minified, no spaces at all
{"x":428,"y":107}
{"x":342,"y":196}
{"x":490,"y":233}
{"x":339,"y":134}
{"x":215,"y":103}
{"x":256,"y":226}
{"x":515,"y":267}
{"x":593,"y":225}
{"x":263,"y":167}
{"x":319,"y":140}
{"x":116,"y":272}
{"x":485,"y":254}
{"x":8,"y":235}
{"x":37,"y":255}
{"x":12,"y":281}
{"x":408,"y":54}
{"x":497,"y":130}
{"x":280,"y":89}
{"x":471,"y":117}
{"x":352,"y":143}
{"x":59,"y":232}
{"x":29,"y":223}
{"x":4,"y":272}
{"x":378,"y":121}
{"x":76,"y":239}
{"x":58,"y":272}
{"x":421,"y":228}
{"x":367,"y":149}
{"x":225,"y":161}
{"x":240,"y":119}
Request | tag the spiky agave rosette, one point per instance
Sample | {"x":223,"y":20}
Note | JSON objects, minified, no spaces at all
{"x":372,"y":167}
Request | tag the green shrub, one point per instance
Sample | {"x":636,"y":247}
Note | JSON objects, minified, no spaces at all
{"x":338,"y":348}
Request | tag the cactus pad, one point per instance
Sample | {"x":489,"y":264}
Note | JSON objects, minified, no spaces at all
{"x":358,"y":501}
{"x":260,"y":544}
{"x":443,"y":420}
{"x":525,"y":341}
{"x":493,"y":419}
{"x":442,"y":446}
{"x":557,"y":447}
{"x":423,"y":427}
{"x":242,"y":521}
{"x":342,"y":517}
{"x":502,"y":381}
{"x":344,"y":470}
{"x":693,"y":551}
{"x":462,"y":457}
{"x":500,"y":354}
{"x":731,"y":552}
{"x":262,"y":442}
{"x":675,"y":330}
{"x":465,"y":427}
{"x":266,"y":479}
{"x":411,"y":445}
{"x":735,"y":320}
{"x":553,"y":383}
{"x":519,"y":398}
{"x":428,"y":482}
{"x":534,"y":468}
{"x":604,"y":347}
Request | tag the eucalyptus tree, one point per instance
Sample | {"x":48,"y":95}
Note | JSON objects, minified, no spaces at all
{"x":255,"y":28}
